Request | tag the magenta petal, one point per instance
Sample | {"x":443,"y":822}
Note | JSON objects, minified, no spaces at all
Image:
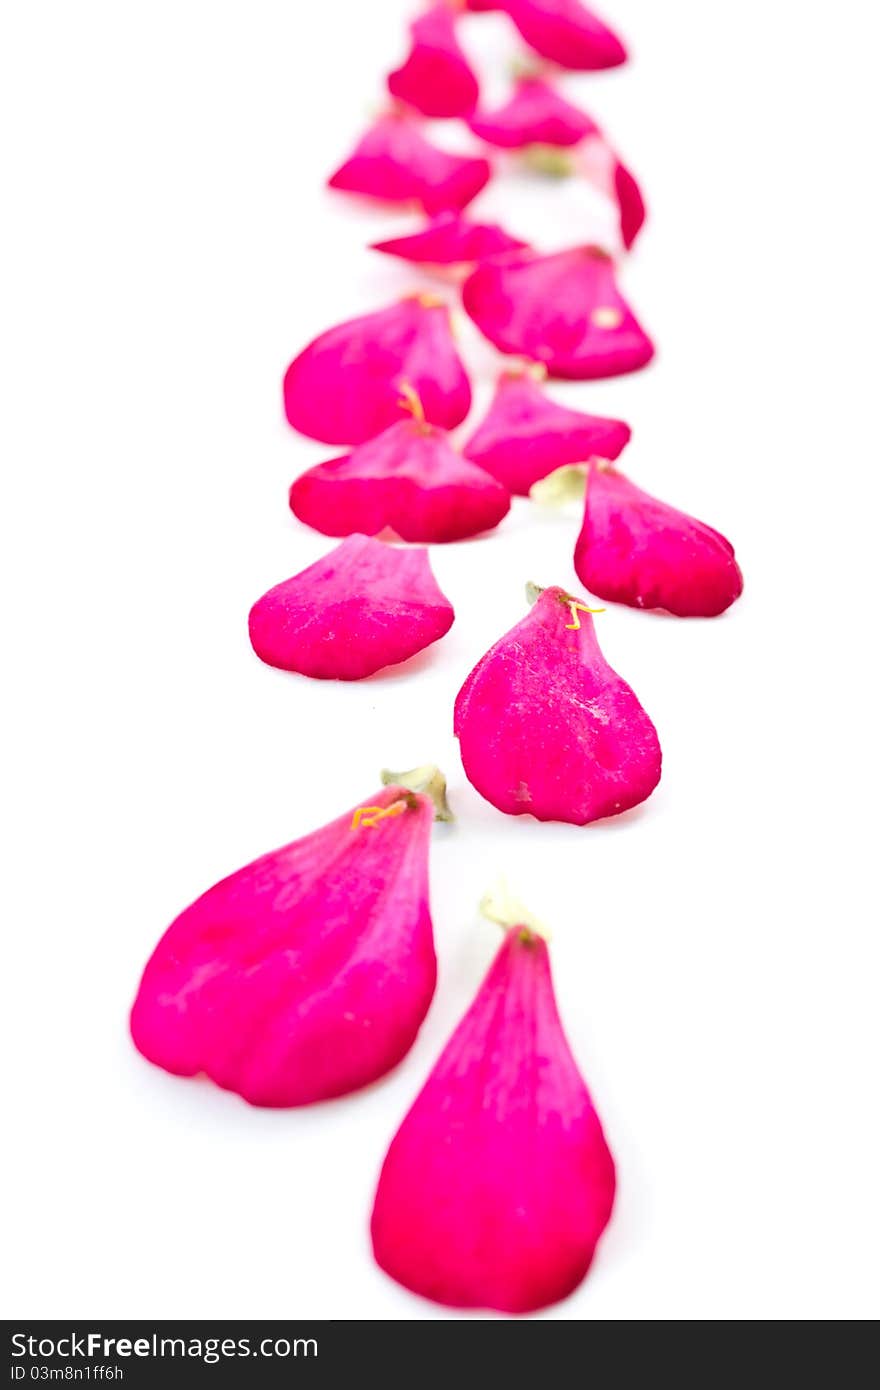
{"x":348,"y":384}
{"x":499,"y":1182}
{"x":637,"y":550}
{"x":436,"y":78}
{"x":408,"y":478}
{"x":563,"y":310}
{"x":567,"y":33}
{"x":631,"y":204}
{"x":548,"y":729}
{"x":306,"y":974}
{"x":451,"y":240}
{"x":395,"y":163}
{"x":526,"y":435}
{"x":364,"y":606}
{"x":536,"y":114}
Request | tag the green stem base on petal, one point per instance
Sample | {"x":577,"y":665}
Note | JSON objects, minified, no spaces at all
{"x":500,"y":906}
{"x":563,"y":485}
{"x":548,"y":160}
{"x":426,"y":780}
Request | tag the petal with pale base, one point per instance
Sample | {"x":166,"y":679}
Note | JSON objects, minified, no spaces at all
{"x":547,"y":728}
{"x":499,"y":1182}
{"x":306,"y":974}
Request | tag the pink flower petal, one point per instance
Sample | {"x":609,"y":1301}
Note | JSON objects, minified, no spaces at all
{"x":631,"y":204}
{"x":637,"y":550}
{"x":307,"y":973}
{"x":347,"y":385}
{"x":499,"y":1182}
{"x":451,"y":240}
{"x":567,"y":33}
{"x":548,"y":729}
{"x":395,"y":163}
{"x":598,"y":163}
{"x":526,"y":435}
{"x":409,"y":479}
{"x":364,"y":606}
{"x":536,"y":114}
{"x":436,"y":78}
{"x":563,"y":310}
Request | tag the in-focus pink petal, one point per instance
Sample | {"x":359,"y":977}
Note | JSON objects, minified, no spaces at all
{"x":306,"y":974}
{"x":347,"y":385}
{"x":548,"y":729}
{"x":637,"y":550}
{"x":567,"y":33}
{"x":364,"y":606}
{"x":436,"y":77}
{"x":499,"y":1182}
{"x":409,"y":479}
{"x":563,"y":310}
{"x":451,"y":240}
{"x":395,"y":163}
{"x":525,"y":435}
{"x":536,"y":114}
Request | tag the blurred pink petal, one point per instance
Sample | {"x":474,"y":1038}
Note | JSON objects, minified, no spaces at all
{"x":525,"y":435}
{"x":499,"y":1182}
{"x":347,"y":385}
{"x":567,"y":33}
{"x":396,"y":164}
{"x":436,"y":78}
{"x":306,"y":974}
{"x":631,"y":204}
{"x":361,"y":608}
{"x":451,"y":240}
{"x":536,"y":114}
{"x":563,"y":310}
{"x":636,"y":550}
{"x":548,"y":729}
{"x":599,"y":164}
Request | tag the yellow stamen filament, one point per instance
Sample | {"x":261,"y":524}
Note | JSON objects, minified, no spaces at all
{"x":368,"y":816}
{"x":411,"y":401}
{"x":577,"y":608}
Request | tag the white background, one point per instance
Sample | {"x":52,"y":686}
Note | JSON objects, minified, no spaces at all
{"x":168,"y":248}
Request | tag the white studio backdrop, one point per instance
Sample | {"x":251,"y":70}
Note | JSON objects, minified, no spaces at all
{"x":168,"y":246}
